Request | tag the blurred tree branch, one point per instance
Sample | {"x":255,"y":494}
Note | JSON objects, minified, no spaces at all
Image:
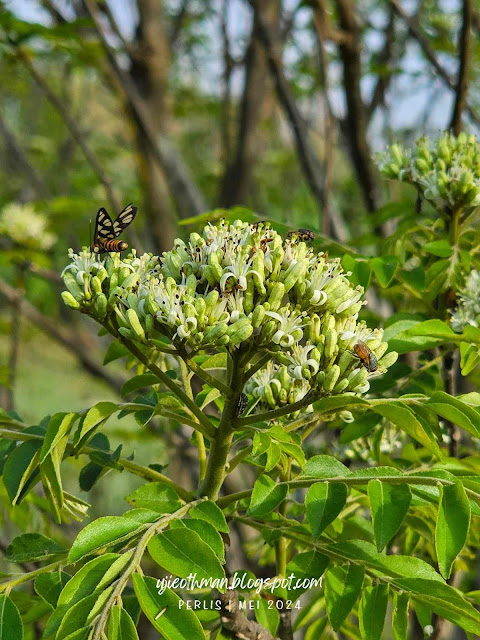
{"x":309,"y":161}
{"x":34,"y":180}
{"x":184,"y":191}
{"x":236,"y":182}
{"x":465,"y":52}
{"x":356,"y":118}
{"x":429,"y":53}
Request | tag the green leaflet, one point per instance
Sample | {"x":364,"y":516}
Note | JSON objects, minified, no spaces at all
{"x":343,"y":585}
{"x":182,"y":551}
{"x":174,"y":623}
{"x":32,"y":546}
{"x":372,"y":610}
{"x":266,"y":496}
{"x":400,"y":616}
{"x":11,"y":627}
{"x":324,"y":501}
{"x":120,"y":625}
{"x":210,"y":512}
{"x":101,"y":533}
{"x":389,"y":504}
{"x":453,"y":522}
{"x":157,"y":496}
{"x":19,"y":467}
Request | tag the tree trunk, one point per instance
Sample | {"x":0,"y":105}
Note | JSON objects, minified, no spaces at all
{"x":237,"y":181}
{"x":149,"y":70}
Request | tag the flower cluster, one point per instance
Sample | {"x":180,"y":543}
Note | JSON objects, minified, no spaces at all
{"x":25,"y":227}
{"x":237,"y":286}
{"x":467,"y":311}
{"x":445,"y":171}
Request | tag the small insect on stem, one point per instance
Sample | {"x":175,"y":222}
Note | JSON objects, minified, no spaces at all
{"x":161,"y":613}
{"x":366,"y":356}
{"x":242,"y":405}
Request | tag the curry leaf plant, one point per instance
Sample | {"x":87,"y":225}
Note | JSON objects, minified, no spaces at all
{"x":352,"y":472}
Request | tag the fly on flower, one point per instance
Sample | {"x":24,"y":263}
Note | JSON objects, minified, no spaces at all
{"x":107,"y":230}
{"x":366,"y":356}
{"x":304,"y":235}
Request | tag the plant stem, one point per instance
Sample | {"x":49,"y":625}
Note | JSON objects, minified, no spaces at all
{"x":206,"y":377}
{"x":202,"y":453}
{"x":221,"y":444}
{"x":208,"y":427}
{"x":306,"y":482}
{"x":135,"y":564}
{"x":26,"y":577}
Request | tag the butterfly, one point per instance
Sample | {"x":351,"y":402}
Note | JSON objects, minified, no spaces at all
{"x":107,"y":230}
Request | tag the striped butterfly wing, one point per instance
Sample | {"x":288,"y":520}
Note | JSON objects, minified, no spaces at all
{"x":103,"y":227}
{"x":124,"y":219}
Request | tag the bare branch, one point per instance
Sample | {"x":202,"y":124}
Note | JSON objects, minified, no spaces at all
{"x":72,"y":126}
{"x":356,"y":122}
{"x":39,"y":186}
{"x":386,"y":59}
{"x":235,"y":621}
{"x":189,"y":200}
{"x":238,"y":174}
{"x":465,"y":46}
{"x":429,"y":53}
{"x":308,"y":159}
{"x":178,"y":23}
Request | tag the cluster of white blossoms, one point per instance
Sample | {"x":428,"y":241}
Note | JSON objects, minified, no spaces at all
{"x":237,"y":286}
{"x":25,"y":227}
{"x":445,"y":171}
{"x":467,"y":311}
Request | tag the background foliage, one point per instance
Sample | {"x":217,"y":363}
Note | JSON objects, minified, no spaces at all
{"x":183,"y":107}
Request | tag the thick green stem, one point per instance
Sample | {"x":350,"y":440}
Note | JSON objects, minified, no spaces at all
{"x":222,"y":443}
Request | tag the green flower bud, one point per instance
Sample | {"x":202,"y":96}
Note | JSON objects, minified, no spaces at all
{"x":258,"y":316}
{"x":343,"y":362}
{"x":135,"y":323}
{"x":294,"y":273}
{"x":127,"y":333}
{"x":268,"y":395}
{"x":320,"y":379}
{"x":357,"y":378}
{"x":72,"y":285}
{"x":200,"y":308}
{"x":130,"y":281}
{"x":149,"y":323}
{"x":248,"y":295}
{"x":330,"y":344}
{"x":151,"y":306}
{"x":388,"y":360}
{"x":113,"y":281}
{"x":239,"y":332}
{"x":69,"y":300}
{"x":191,"y":285}
{"x":132,"y":301}
{"x":211,"y":300}
{"x":96,"y":284}
{"x":100,"y":304}
{"x":276,"y":296}
{"x":123,"y":274}
{"x":341,"y":386}
{"x":216,"y":332}
{"x":331,"y":378}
